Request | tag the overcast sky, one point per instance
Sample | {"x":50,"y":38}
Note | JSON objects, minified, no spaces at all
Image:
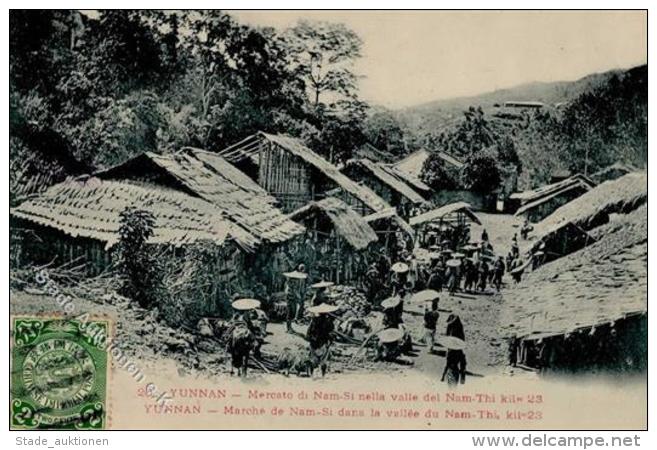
{"x":416,"y":57}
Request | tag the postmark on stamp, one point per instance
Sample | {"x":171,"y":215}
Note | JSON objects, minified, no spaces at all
{"x":59,"y":374}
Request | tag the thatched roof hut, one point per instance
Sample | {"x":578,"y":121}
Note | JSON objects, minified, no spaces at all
{"x":295,"y":175}
{"x":346,"y":223}
{"x":383,"y":181}
{"x":451,"y":212}
{"x":410,"y":179}
{"x":593,"y":208}
{"x":91,"y":207}
{"x":543,"y":202}
{"x":602,"y":283}
{"x":532,"y":199}
{"x":208,"y":176}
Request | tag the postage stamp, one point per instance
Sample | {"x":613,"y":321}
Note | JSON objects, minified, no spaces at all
{"x":59,"y":374}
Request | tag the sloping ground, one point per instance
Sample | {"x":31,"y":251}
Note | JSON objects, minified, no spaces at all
{"x":603,"y":282}
{"x":91,"y":208}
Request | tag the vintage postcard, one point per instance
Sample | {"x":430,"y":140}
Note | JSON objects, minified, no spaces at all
{"x":343,"y":220}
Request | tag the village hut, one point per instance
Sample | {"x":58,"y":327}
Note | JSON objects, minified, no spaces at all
{"x":452,"y":220}
{"x":208,"y":176}
{"x":566,"y":229}
{"x":537,"y":204}
{"x":340,"y":239}
{"x":385,"y":183}
{"x":390,"y":228}
{"x":412,"y":165}
{"x":242,"y":201}
{"x":296,"y":175}
{"x":80,"y":219}
{"x":413,"y":181}
{"x":588,"y":311}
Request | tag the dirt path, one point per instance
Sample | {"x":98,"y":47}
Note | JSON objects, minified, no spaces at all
{"x":150,"y":340}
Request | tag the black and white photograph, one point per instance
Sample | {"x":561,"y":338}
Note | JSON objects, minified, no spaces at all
{"x":328,"y":219}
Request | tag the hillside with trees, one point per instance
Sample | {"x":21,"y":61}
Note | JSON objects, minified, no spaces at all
{"x":91,"y":90}
{"x":600,"y":126}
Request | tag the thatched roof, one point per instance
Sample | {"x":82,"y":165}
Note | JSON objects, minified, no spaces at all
{"x":250,"y":148}
{"x":391,"y":216}
{"x":91,"y":208}
{"x":348,"y":224}
{"x":534,"y":196}
{"x":593,"y":208}
{"x":35,"y":168}
{"x":612,"y":172}
{"x":601,"y":283}
{"x":408,"y":178}
{"x":212,"y":178}
{"x":413,"y":163}
{"x":439,"y":213}
{"x":393,"y":182}
{"x":571,"y":189}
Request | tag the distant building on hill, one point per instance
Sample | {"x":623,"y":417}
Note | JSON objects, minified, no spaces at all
{"x":523,"y":104}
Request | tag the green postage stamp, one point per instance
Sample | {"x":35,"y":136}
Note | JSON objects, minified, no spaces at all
{"x":58,"y":374}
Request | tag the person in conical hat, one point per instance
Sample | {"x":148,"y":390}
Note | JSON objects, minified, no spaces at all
{"x":455,"y":368}
{"x":321,"y":325}
{"x":320,"y":333}
{"x":430,"y":321}
{"x":391,"y":312}
{"x":436,"y":275}
{"x":455,"y":361}
{"x":388,"y":346}
{"x":295,"y":291}
{"x":319,"y":295}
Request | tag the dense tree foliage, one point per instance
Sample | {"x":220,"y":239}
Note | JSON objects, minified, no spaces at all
{"x":487,"y":153}
{"x":601,"y":126}
{"x":384,"y":132}
{"x":105,"y":86}
{"x":91,"y":90}
{"x":139,"y":268}
{"x":439,"y":175}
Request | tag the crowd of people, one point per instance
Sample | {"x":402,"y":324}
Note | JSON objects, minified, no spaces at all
{"x":452,"y":265}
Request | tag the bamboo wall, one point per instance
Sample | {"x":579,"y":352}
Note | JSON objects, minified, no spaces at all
{"x":285,"y":176}
{"x":34,"y":245}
